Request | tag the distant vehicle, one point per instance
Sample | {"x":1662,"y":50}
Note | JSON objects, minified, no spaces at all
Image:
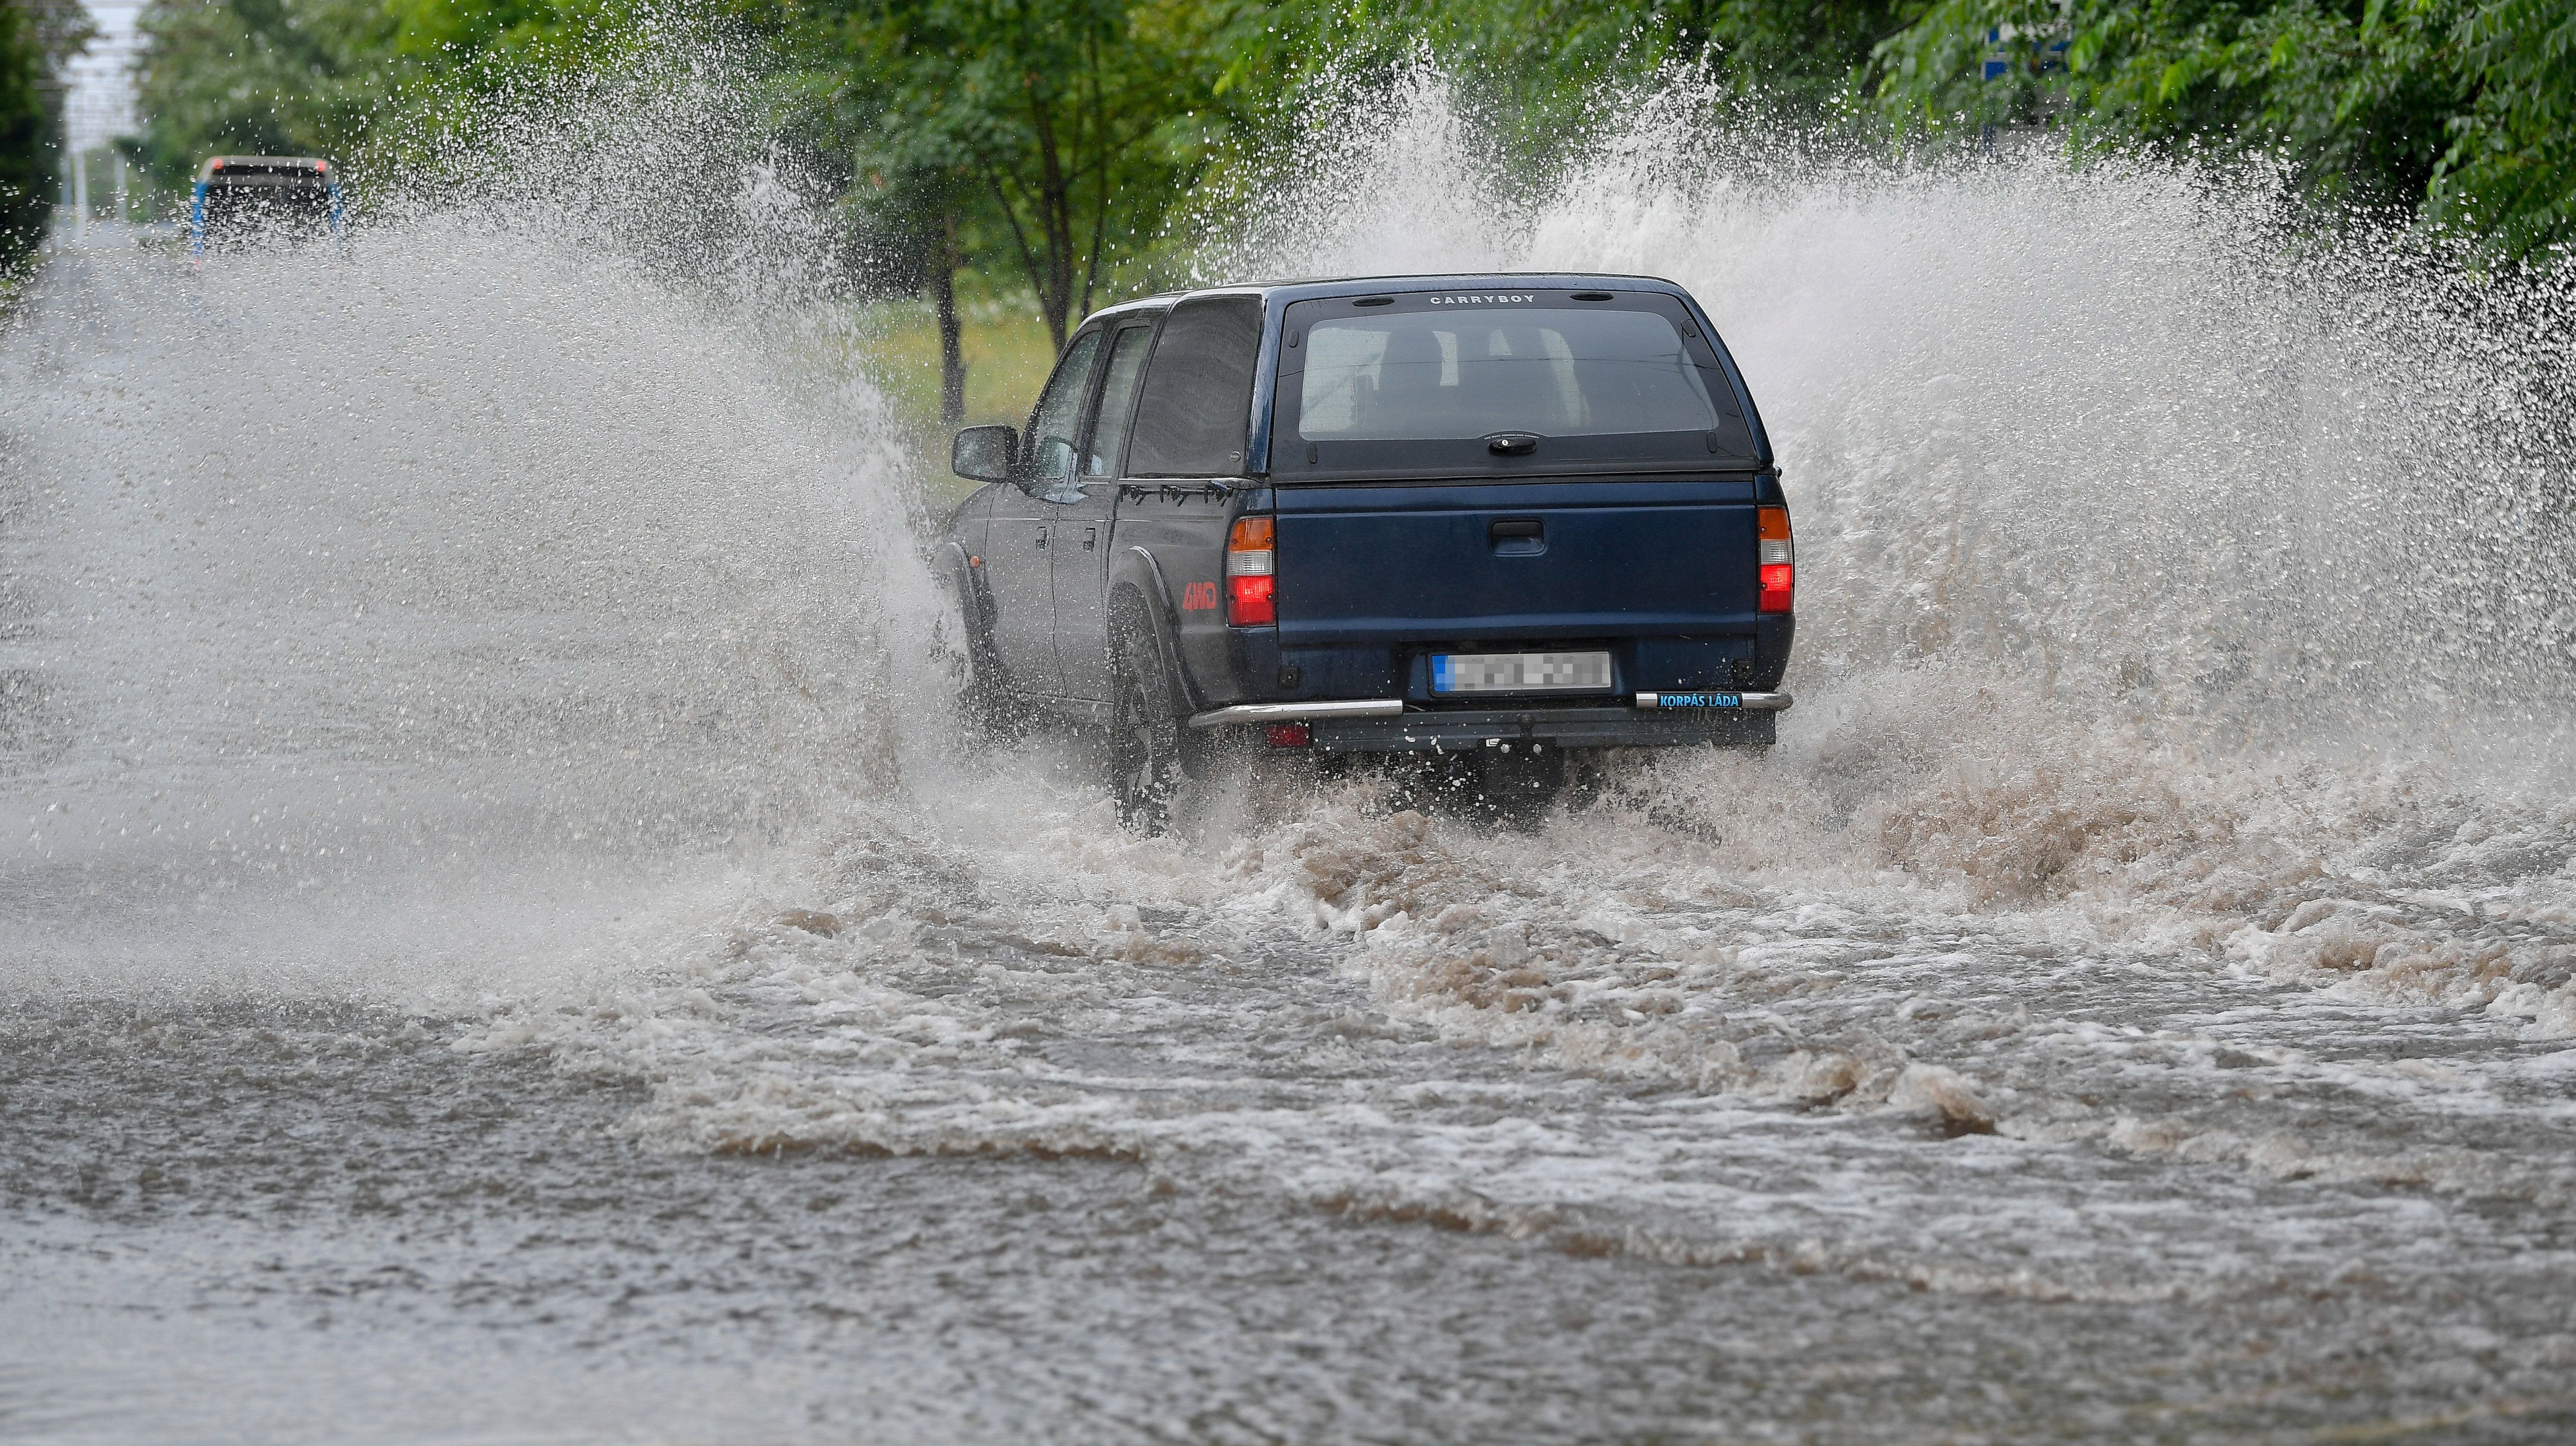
{"x":244,"y":199}
{"x":1505,"y":517}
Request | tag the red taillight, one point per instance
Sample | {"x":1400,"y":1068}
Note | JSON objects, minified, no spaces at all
{"x":1287,"y":735}
{"x":1251,"y":564}
{"x":1777,"y":558}
{"x":1252,"y":604}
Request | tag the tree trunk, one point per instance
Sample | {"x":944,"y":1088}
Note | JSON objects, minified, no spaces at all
{"x":1055,"y":221}
{"x":952,"y":354}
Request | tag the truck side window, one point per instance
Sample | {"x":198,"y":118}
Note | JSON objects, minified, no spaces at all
{"x":1197,"y":402}
{"x":1117,"y":401}
{"x":1051,"y":429}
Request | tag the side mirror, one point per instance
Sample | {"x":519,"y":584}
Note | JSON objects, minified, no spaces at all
{"x":985,"y":454}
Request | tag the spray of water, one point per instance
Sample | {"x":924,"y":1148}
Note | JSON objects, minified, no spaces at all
{"x":2133,"y":636}
{"x":2184,"y":652}
{"x":2116,"y":429}
{"x":451,"y":588}
{"x":2152,"y":552}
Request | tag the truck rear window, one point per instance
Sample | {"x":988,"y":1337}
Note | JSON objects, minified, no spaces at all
{"x":1428,"y":375}
{"x":1421,"y":382}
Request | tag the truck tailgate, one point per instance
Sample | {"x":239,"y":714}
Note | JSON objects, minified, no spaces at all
{"x":1523,"y":560}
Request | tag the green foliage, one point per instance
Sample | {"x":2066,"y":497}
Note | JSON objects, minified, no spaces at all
{"x":36,"y":38}
{"x":1046,"y":138}
{"x":2510,"y":173}
{"x":344,"y":79}
{"x":1043,"y":145}
{"x":26,"y":175}
{"x":1823,"y":50}
{"x":260,"y":77}
{"x":1538,"y":70}
{"x":2454,"y":107}
{"x":484,"y":43}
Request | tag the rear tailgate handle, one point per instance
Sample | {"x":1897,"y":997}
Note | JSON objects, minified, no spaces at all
{"x":1516,"y":536}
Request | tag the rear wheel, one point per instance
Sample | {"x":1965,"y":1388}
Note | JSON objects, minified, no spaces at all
{"x":1144,"y":733}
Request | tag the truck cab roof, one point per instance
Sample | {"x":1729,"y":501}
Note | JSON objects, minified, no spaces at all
{"x":1533,"y":372}
{"x":1315,"y":288}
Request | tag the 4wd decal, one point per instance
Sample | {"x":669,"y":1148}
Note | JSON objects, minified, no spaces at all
{"x":1199,"y":597}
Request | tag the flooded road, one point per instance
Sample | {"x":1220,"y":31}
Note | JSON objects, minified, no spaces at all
{"x":504,"y":940}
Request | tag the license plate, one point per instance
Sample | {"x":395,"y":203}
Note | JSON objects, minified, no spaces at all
{"x":1520,"y":672}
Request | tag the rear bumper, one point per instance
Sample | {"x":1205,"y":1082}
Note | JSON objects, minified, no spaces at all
{"x":1382,"y":725}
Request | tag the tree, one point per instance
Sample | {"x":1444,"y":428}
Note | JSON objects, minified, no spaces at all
{"x":26,"y":180}
{"x":341,"y":78}
{"x":36,"y":41}
{"x":2510,"y":171}
{"x":911,"y":241}
{"x":259,"y":77}
{"x":1047,"y":141}
{"x":1046,"y":135}
{"x":2459,"y":109}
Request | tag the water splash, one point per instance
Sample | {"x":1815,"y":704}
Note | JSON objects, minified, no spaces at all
{"x":509,"y":628}
{"x":2118,"y":433}
{"x":459,"y":586}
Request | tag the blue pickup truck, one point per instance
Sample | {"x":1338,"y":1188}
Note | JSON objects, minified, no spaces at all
{"x":1496,"y":518}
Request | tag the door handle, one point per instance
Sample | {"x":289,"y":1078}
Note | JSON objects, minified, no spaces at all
{"x":1042,"y":532}
{"x":1090,"y":538}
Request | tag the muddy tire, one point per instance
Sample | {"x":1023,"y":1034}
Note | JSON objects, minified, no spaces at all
{"x":1144,"y":731}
